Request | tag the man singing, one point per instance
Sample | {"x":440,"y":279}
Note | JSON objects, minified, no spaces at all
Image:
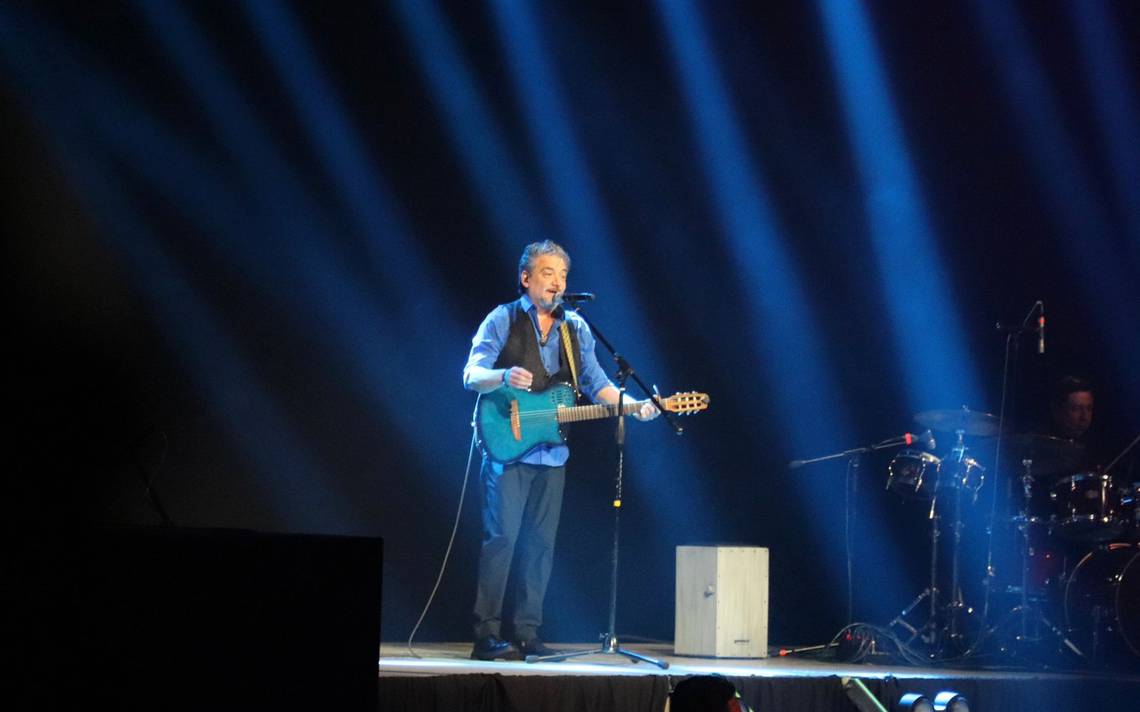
{"x":529,"y":343}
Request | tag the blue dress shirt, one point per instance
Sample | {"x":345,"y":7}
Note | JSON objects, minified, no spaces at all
{"x":491,"y":336}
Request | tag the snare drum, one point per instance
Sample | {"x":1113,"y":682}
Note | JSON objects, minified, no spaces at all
{"x":1087,"y":507}
{"x":913,"y":474}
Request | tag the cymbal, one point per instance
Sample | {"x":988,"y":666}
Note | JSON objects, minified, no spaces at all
{"x":964,"y":419}
{"x":1050,"y":455}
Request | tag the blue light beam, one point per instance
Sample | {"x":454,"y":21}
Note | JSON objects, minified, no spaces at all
{"x":781,"y":331}
{"x":492,"y":170}
{"x":324,"y":284}
{"x":661,"y":463}
{"x":1097,"y":272}
{"x":1116,"y":106}
{"x":45,"y":67}
{"x":938,"y":370}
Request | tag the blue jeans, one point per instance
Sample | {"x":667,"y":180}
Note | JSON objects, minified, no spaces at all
{"x":521,"y":506}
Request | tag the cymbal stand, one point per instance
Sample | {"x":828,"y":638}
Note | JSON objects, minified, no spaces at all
{"x":1024,"y":521}
{"x":933,"y":632}
{"x":960,"y":482}
{"x":928,"y":632}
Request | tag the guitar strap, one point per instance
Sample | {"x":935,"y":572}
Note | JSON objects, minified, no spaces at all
{"x":564,"y":329}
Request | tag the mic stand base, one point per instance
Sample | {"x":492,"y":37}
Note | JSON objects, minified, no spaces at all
{"x":609,"y":646}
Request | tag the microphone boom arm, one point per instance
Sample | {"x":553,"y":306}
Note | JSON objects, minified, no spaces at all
{"x":625,"y":369}
{"x":906,"y":439}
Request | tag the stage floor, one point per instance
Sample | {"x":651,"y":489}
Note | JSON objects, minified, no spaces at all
{"x":442,"y":676}
{"x":454,"y":658}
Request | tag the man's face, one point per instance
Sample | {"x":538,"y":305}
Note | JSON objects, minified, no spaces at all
{"x":1074,"y":416}
{"x":545,"y":281}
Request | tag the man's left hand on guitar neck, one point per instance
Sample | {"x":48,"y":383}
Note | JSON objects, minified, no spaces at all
{"x":647,"y":411}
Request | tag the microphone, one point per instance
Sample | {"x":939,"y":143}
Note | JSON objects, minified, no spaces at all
{"x":573,"y":298}
{"x":924,"y":439}
{"x":1041,"y":329}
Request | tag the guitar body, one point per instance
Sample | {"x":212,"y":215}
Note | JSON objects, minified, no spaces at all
{"x":513,"y":422}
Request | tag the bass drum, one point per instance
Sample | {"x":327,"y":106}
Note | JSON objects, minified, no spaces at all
{"x":1102,"y":604}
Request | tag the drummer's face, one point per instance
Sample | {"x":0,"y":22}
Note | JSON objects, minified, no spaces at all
{"x":1074,"y":416}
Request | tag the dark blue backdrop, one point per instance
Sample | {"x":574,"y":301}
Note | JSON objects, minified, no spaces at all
{"x":250,"y":243}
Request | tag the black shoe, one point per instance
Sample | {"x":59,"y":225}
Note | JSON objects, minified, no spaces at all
{"x":535,"y":647}
{"x":492,"y":647}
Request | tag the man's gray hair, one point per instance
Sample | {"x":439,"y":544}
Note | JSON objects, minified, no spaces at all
{"x":535,"y":250}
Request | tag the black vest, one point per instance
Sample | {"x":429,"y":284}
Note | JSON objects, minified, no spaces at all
{"x":521,"y":349}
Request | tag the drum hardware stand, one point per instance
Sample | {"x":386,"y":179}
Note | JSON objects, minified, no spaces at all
{"x":1024,"y":522}
{"x":928,"y":630}
{"x":610,"y":644}
{"x":1097,"y":612}
{"x":956,"y":604}
{"x":1031,"y":617}
{"x":1041,"y":621}
{"x":900,"y":619}
{"x":933,"y":632}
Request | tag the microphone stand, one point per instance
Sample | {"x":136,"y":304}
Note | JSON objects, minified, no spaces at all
{"x":1008,"y":396}
{"x":610,"y":644}
{"x":1030,"y":615}
{"x":854,"y":462}
{"x":892,"y":442}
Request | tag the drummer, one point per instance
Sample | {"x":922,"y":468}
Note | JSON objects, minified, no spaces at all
{"x":1071,"y":408}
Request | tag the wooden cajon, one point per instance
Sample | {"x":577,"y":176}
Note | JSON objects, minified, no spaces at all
{"x":722,"y":601}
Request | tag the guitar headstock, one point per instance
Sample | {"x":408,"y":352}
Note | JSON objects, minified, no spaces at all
{"x":686,"y":403}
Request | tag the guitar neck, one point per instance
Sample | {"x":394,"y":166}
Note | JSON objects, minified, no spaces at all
{"x":578,"y":413}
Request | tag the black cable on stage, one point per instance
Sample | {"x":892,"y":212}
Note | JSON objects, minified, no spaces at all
{"x":454,"y":529}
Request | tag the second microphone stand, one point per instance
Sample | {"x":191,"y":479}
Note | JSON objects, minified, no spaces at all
{"x":854,"y":461}
{"x":610,"y":644}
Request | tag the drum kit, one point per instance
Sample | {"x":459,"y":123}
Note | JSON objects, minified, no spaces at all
{"x":1075,"y":598}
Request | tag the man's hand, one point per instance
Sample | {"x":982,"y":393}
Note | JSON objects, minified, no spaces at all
{"x":609,"y":396}
{"x":518,"y":377}
{"x":648,"y":411}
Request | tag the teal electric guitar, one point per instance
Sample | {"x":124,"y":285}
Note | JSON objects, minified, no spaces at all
{"x":513,"y":422}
